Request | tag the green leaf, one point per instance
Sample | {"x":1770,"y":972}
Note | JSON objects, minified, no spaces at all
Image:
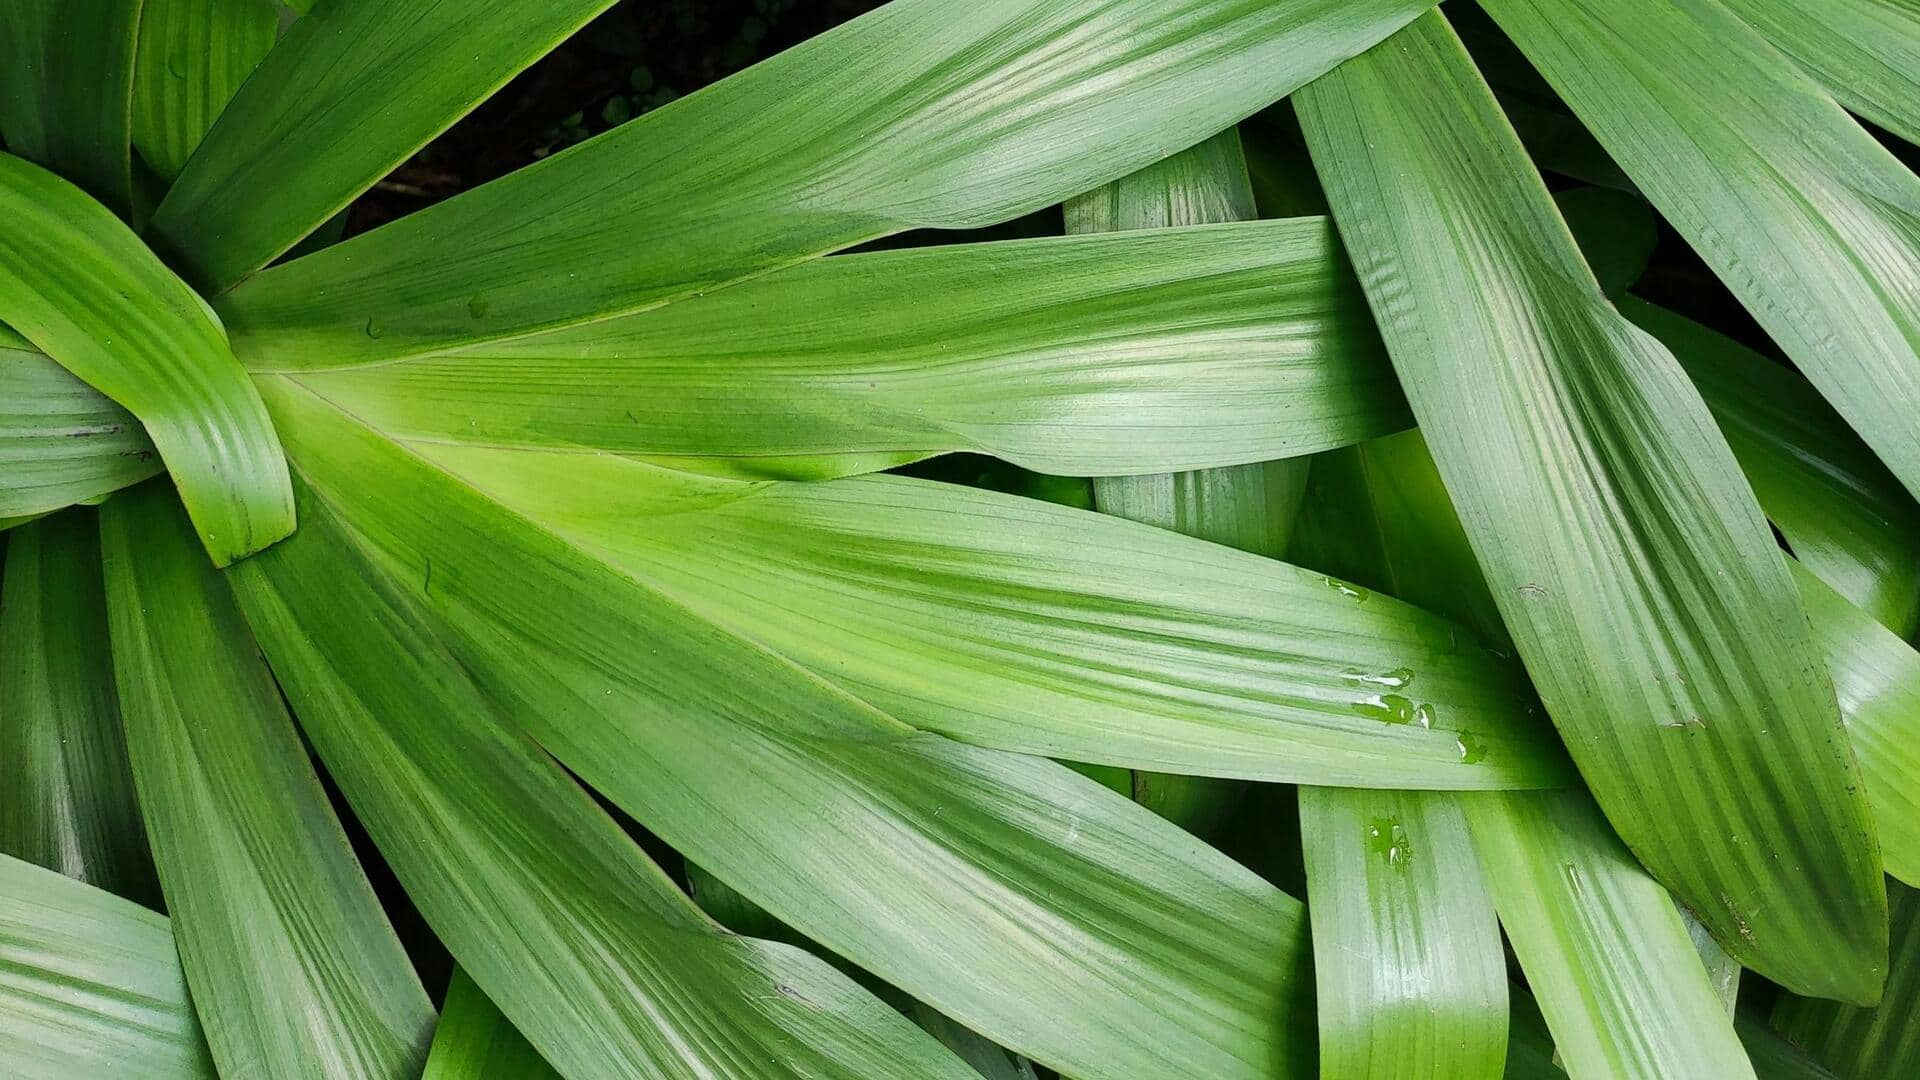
{"x":1865,"y":52}
{"x":1602,"y":944}
{"x":1877,"y":676}
{"x":919,"y":114}
{"x":349,"y":93}
{"x":555,"y":913}
{"x":1626,"y":553}
{"x":66,"y":87}
{"x":1024,"y":626}
{"x":1807,"y":218}
{"x":474,"y":1042}
{"x":1773,"y":1057}
{"x":91,"y":984}
{"x":1877,"y":1042}
{"x":68,"y":802}
{"x":193,"y":55}
{"x":1841,"y":511}
{"x":1138,"y":951}
{"x":293,"y":965}
{"x":1616,"y":232}
{"x":81,"y":287}
{"x":61,"y":441}
{"x":1412,"y":979}
{"x":988,"y":1060}
{"x":1087,"y":355}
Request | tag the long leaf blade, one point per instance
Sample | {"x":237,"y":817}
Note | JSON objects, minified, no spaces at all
{"x":293,"y":965}
{"x":1407,"y":959}
{"x":66,"y":88}
{"x":1856,"y":1042}
{"x":350,"y":92}
{"x":1139,"y":951}
{"x":475,"y":1042}
{"x":90,"y":984}
{"x":1626,"y":553}
{"x":61,"y":441}
{"x":81,"y":287}
{"x":1080,"y":355}
{"x":568,"y":927}
{"x":193,"y":55}
{"x":68,"y":803}
{"x":1865,"y":52}
{"x":1810,"y":221}
{"x":918,"y":114}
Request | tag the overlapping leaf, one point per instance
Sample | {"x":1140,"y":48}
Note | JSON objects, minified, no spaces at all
{"x":1108,"y":354}
{"x":919,"y":114}
{"x":1810,"y":221}
{"x":294,"y":967}
{"x":89,"y":984}
{"x":1626,"y":554}
{"x":66,"y":79}
{"x":68,"y":801}
{"x":1876,"y":1042}
{"x":1865,"y":52}
{"x":81,"y":287}
{"x":61,"y":441}
{"x":596,"y":956}
{"x":351,"y":91}
{"x":193,"y":55}
{"x":475,"y":1042}
{"x":1026,"y":902}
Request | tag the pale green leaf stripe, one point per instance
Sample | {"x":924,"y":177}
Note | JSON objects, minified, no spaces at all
{"x":475,"y":1042}
{"x":1024,"y":626}
{"x":66,"y":90}
{"x":1028,"y":903}
{"x":90,"y":984}
{"x":294,"y":969}
{"x":67,"y":803}
{"x":350,"y":92}
{"x":1877,"y":676}
{"x":1601,"y":942}
{"x":1841,"y":511}
{"x":1104,"y":354}
{"x":81,"y":287}
{"x":1867,"y":1043}
{"x":922,"y":113}
{"x":1810,"y":221}
{"x":193,"y":55}
{"x":1625,"y":551}
{"x":540,"y":896}
{"x":1866,"y":52}
{"x":61,"y":441}
{"x":1412,"y":979}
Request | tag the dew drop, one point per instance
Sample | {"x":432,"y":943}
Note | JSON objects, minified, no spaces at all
{"x":373,"y":329}
{"x":1386,"y":708}
{"x":477,"y":307}
{"x":1473,"y":749}
{"x":1353,"y":591}
{"x":1392,"y":680}
{"x":1387,"y":838}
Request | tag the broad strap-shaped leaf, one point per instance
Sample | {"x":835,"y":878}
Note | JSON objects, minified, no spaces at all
{"x":475,"y":1042}
{"x":1877,"y":676}
{"x":350,"y":92}
{"x":1252,"y":506}
{"x":1412,"y":979}
{"x":1626,"y":553}
{"x":66,"y":89}
{"x":193,"y":55}
{"x":1810,"y":221}
{"x":1026,"y":902}
{"x":1842,"y":512}
{"x":1865,"y":52}
{"x":82,"y":288}
{"x":1023,"y":626}
{"x":1863,"y":1043}
{"x":920,"y":114}
{"x":295,"y":970}
{"x":90,"y":984}
{"x":1085,"y":355}
{"x":988,"y":1061}
{"x":1773,"y":1057}
{"x":1602,"y":944}
{"x":595,"y":955}
{"x":67,"y":803}
{"x":61,"y":441}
